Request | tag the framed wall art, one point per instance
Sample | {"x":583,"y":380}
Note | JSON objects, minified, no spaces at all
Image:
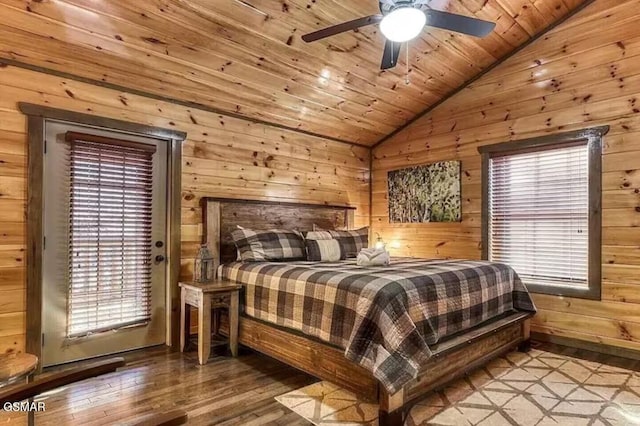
{"x":427,"y":193}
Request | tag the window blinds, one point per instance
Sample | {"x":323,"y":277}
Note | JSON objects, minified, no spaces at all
{"x":110,"y":220}
{"x":539,"y":214}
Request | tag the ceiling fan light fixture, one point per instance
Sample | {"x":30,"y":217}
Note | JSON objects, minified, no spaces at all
{"x":403,"y":24}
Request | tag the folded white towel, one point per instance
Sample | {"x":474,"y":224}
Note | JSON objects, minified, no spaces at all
{"x":373,"y":257}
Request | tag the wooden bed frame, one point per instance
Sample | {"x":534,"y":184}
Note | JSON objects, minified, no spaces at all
{"x":452,"y":358}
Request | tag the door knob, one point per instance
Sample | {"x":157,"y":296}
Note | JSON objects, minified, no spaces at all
{"x":159,"y":258}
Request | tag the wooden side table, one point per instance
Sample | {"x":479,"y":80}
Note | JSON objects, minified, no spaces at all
{"x":207,"y":297}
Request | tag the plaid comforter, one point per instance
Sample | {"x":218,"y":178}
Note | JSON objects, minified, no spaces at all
{"x":384,"y":317}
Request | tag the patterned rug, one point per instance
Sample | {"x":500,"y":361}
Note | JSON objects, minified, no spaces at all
{"x":534,"y":389}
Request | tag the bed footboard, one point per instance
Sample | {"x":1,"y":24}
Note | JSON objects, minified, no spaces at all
{"x":452,"y":359}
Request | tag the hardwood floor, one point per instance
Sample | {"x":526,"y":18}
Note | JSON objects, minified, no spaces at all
{"x":225,"y":391}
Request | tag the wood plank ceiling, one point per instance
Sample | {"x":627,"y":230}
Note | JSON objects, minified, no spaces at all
{"x":246,"y":56}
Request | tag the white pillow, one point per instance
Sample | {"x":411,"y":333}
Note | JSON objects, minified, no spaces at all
{"x":323,"y":250}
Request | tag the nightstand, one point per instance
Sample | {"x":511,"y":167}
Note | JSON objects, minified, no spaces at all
{"x":208,"y":297}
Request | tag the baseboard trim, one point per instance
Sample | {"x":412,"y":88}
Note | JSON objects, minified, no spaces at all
{"x":588,"y":346}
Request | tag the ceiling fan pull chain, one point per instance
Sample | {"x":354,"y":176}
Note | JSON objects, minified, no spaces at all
{"x":407,"y":78}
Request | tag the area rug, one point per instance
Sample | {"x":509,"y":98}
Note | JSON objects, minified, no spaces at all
{"x":534,"y":389}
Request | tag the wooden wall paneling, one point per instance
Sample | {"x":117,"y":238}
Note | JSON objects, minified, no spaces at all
{"x":553,"y":11}
{"x":506,"y":26}
{"x":508,"y":83}
{"x":205,"y":127}
{"x":481,"y":74}
{"x":249,"y":59}
{"x":368,"y":54}
{"x":223,"y":156}
{"x":281,"y":26}
{"x":13,"y":342}
{"x":12,"y":278}
{"x":12,"y":324}
{"x":582,"y":30}
{"x":620,"y":292}
{"x":583,"y":73}
{"x":222,"y":81}
{"x":446,"y":68}
{"x":525,"y":14}
{"x":108,"y":44}
{"x":268,"y":160}
{"x":12,"y":300}
{"x":503,"y":39}
{"x":161,"y":84}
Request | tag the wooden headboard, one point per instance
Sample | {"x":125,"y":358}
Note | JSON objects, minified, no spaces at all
{"x":223,"y":215}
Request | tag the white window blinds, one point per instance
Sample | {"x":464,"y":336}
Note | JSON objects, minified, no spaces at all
{"x":539,"y":214}
{"x":109,"y":233}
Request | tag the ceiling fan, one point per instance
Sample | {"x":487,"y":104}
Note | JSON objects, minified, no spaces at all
{"x":401,"y":21}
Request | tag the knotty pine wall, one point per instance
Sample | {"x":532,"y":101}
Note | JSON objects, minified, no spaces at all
{"x":222,"y":156}
{"x":584,"y":73}
{"x":250,"y":59}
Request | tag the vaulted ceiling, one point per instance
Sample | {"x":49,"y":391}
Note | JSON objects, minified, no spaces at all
{"x":246,"y":56}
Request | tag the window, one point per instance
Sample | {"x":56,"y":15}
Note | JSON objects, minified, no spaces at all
{"x":541,"y":211}
{"x":110,"y":233}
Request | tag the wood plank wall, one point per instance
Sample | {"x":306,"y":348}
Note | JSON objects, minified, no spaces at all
{"x":222,"y":156}
{"x":248,"y":57}
{"x":584,"y":73}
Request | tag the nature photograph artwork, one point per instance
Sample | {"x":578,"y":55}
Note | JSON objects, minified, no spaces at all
{"x":428,"y":193}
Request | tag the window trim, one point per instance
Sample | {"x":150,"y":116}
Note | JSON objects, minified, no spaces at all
{"x":593,"y":136}
{"x":36,"y":117}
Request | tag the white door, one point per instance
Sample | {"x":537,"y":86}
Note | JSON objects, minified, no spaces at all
{"x":105,"y":225}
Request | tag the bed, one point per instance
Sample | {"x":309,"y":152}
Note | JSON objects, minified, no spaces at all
{"x":366,"y":329}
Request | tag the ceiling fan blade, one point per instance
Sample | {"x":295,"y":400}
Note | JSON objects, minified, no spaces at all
{"x":341,"y":28}
{"x":390,"y":56}
{"x":458,"y":23}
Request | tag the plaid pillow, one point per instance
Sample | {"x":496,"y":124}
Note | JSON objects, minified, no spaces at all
{"x":324,"y":250}
{"x":272,"y":245}
{"x":352,"y":241}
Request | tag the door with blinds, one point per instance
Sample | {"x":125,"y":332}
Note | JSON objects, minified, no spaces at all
{"x":105,"y":224}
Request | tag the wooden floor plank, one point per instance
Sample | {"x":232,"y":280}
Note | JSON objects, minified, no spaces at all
{"x":226,"y":391}
{"x":229,"y":391}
